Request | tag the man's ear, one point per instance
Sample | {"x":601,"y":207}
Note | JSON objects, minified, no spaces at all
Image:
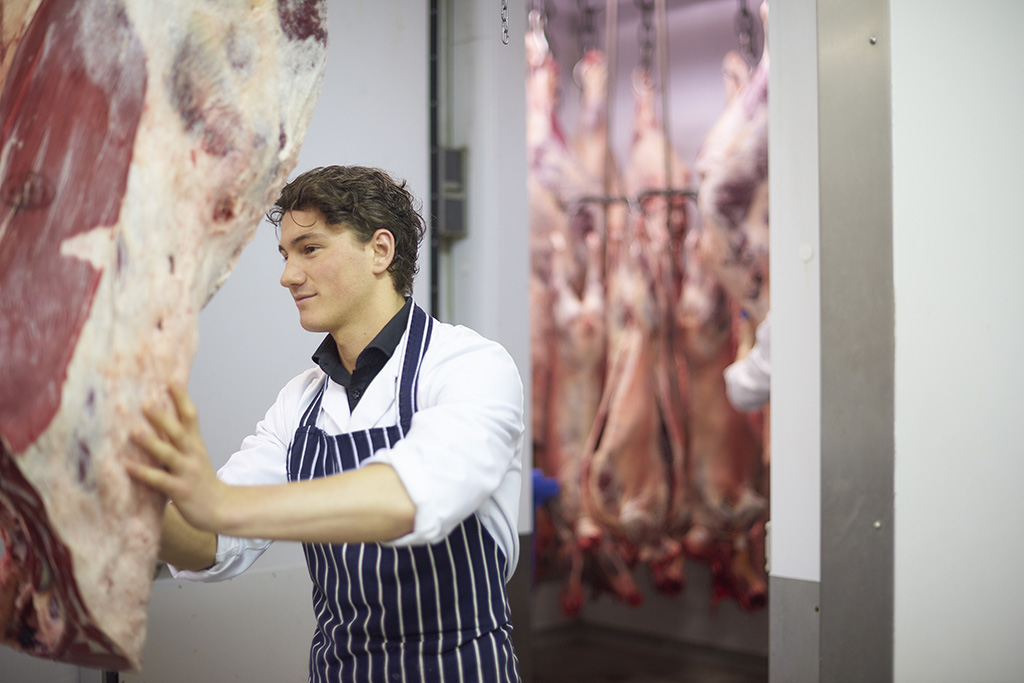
{"x":383,"y":245}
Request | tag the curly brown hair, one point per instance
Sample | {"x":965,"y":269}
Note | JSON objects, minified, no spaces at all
{"x":364,"y":200}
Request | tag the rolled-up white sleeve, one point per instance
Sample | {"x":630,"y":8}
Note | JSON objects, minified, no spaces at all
{"x":463,"y":452}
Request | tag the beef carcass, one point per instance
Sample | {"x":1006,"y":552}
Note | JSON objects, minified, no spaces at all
{"x":557,"y":186}
{"x":732,"y":165}
{"x":657,"y":179}
{"x":575,"y":394}
{"x":626,"y":471}
{"x":552,"y":163}
{"x":579,"y":330}
{"x":590,"y":139}
{"x":735,"y":74}
{"x":141,"y":144}
{"x":724,"y":455}
{"x":570,"y":226}
{"x":731,"y":254}
{"x":634,"y":463}
{"x":591,"y":145}
{"x":546,"y":220}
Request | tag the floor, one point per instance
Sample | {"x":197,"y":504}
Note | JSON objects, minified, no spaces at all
{"x":606,"y":656}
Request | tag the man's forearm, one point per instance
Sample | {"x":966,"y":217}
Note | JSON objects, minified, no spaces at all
{"x":366,"y":505}
{"x":184,"y":546}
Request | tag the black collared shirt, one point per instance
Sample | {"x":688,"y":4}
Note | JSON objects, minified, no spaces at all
{"x":370,"y":360}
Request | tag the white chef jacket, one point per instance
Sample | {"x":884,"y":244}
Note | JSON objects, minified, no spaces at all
{"x":748,"y":381}
{"x":462,"y":454}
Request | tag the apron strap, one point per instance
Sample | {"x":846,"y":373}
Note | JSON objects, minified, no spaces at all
{"x":420,"y":327}
{"x":313,"y":410}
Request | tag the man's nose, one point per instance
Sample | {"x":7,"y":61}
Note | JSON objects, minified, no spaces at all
{"x":292,"y":274}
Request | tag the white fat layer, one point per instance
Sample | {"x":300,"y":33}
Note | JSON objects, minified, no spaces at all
{"x":92,"y":247}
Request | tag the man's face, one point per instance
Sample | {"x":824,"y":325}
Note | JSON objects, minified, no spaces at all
{"x":328,"y":272}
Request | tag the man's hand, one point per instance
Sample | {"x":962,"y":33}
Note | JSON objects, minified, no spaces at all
{"x":366,"y":505}
{"x":183,"y":471}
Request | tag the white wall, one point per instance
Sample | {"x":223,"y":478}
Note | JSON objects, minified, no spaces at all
{"x":958,"y":238}
{"x":484,"y":275}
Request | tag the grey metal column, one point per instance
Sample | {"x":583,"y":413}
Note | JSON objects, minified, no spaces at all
{"x":857,"y":344}
{"x":793,"y":646}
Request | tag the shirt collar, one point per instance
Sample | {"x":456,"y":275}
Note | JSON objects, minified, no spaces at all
{"x":372,"y":358}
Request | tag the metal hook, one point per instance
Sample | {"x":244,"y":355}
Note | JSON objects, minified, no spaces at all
{"x":745,"y":33}
{"x":645,"y":33}
{"x":586,"y":33}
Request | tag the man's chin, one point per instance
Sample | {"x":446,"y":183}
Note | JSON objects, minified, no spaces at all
{"x":312,"y":326}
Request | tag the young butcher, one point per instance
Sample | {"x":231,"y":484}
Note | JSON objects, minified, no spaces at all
{"x":396,"y":460}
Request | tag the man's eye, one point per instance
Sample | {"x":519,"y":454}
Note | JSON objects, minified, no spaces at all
{"x":309,"y":249}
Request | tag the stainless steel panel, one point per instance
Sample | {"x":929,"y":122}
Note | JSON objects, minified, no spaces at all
{"x":793,"y":638}
{"x":857,"y":344}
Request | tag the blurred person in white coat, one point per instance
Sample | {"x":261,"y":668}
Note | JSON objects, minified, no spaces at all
{"x":748,"y":378}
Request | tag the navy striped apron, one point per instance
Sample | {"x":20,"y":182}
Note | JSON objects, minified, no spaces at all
{"x":417,"y":613}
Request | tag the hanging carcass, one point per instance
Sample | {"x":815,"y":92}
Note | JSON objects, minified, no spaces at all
{"x":729,"y":255}
{"x":566,"y":294}
{"x":633,"y":468}
{"x":142,"y":143}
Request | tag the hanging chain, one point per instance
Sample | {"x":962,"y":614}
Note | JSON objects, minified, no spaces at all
{"x":538,"y":19}
{"x":645,"y":33}
{"x":504,"y":22}
{"x":588,"y":34}
{"x":745,"y":33}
